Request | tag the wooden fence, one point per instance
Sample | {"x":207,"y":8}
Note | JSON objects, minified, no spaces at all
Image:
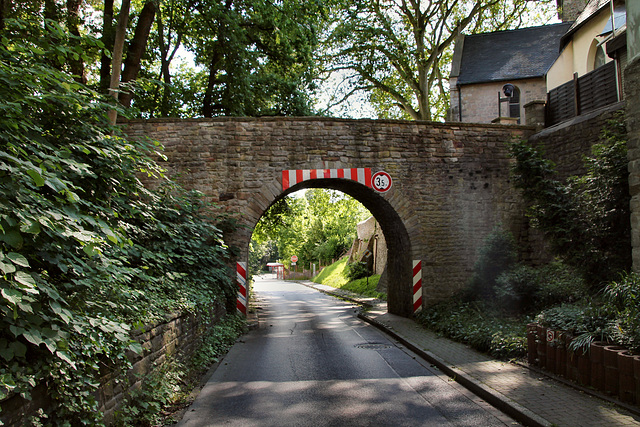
{"x":581,"y":95}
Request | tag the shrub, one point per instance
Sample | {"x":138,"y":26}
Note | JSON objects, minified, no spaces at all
{"x":615,"y":318}
{"x":357,"y":270}
{"x":474,"y":324}
{"x":523,"y":288}
{"x":170,"y":382}
{"x":516,"y":289}
{"x":623,"y":303}
{"x":86,"y":251}
{"x":586,"y":218}
{"x":497,"y":255}
{"x":587,"y":321}
{"x":559,"y":284}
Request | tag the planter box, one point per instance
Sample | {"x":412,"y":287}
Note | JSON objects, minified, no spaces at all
{"x":606,"y":367}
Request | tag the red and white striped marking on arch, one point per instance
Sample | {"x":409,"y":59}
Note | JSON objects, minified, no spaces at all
{"x":241,"y":274}
{"x":296,"y":176}
{"x":417,"y":285}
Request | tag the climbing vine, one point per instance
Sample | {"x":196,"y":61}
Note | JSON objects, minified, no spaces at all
{"x":86,"y":252}
{"x":587,"y":217}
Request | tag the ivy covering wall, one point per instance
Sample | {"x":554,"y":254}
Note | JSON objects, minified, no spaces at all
{"x":87,"y":254}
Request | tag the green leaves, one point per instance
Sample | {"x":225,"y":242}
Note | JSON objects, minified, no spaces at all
{"x":37,"y":178}
{"x":586,"y":217}
{"x":393,"y":54}
{"x":85,"y":249}
{"x":320,"y":226}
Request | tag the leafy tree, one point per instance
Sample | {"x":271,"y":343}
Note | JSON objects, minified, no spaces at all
{"x":398,"y":51}
{"x":159,"y":93}
{"x":258,"y":55}
{"x":319,"y":226}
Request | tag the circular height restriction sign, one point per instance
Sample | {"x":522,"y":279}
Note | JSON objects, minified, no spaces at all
{"x":381,"y":182}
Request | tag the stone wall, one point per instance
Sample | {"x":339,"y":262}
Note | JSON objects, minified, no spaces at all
{"x":567,"y":143}
{"x":370,"y":247}
{"x":632,"y":91}
{"x":480,"y":101}
{"x":450,"y":182}
{"x":176,"y":336}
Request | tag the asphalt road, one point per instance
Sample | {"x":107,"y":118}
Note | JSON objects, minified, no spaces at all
{"x":313,"y":363}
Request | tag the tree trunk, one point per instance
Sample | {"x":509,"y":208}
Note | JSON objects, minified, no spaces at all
{"x":4,"y":9}
{"x":136,"y":49}
{"x":73,"y":22}
{"x":118,"y":46}
{"x":50,"y":10}
{"x":165,"y":59}
{"x":107,"y":40}
{"x":207,"y":103}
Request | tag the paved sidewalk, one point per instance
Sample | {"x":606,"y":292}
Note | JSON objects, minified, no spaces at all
{"x":527,"y":395}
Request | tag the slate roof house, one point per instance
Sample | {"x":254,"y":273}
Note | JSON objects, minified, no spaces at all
{"x":547,"y":64}
{"x":483,"y":63}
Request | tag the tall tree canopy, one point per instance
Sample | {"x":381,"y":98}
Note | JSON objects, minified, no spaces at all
{"x":250,"y":58}
{"x":398,"y":51}
{"x":194,"y":58}
{"x":243,"y":57}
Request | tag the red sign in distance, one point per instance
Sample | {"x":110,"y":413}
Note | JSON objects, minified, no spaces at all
{"x":381,"y":182}
{"x":294,"y":258}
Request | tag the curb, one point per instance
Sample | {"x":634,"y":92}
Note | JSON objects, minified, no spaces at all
{"x":496,"y":399}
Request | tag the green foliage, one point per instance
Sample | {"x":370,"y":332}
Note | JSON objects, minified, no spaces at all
{"x":478,"y":326}
{"x":219,"y":341}
{"x":86,"y":252}
{"x":614,"y":316}
{"x":169,"y":383}
{"x":260,"y":254}
{"x":623,"y":304}
{"x":252,"y":58}
{"x":523,"y":289}
{"x":335,"y":269}
{"x":587,"y":218}
{"x":365,"y":286}
{"x":494,"y":310}
{"x":159,"y":389}
{"x":319,"y":227}
{"x":577,"y":319}
{"x":497,"y":255}
{"x":335,"y":275}
{"x":357,"y":270}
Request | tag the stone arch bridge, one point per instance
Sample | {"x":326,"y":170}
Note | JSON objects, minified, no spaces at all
{"x":450,"y":182}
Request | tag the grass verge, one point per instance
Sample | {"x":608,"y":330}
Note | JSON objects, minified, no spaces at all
{"x":334,"y":276}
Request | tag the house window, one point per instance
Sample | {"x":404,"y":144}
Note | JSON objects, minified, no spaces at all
{"x":514,"y":103}
{"x":600,"y":58}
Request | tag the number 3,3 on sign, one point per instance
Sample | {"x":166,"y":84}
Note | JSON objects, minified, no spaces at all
{"x":381,"y":182}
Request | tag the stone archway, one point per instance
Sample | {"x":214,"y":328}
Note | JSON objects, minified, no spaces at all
{"x":450,"y":182}
{"x":399,"y":268}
